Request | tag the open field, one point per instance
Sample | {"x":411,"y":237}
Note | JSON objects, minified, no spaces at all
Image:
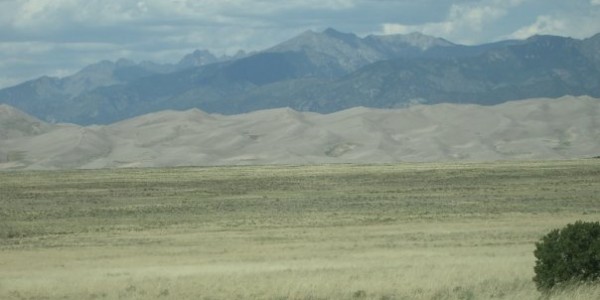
{"x":403,"y":231}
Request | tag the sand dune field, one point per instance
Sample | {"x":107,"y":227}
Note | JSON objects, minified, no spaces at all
{"x":564,"y":128}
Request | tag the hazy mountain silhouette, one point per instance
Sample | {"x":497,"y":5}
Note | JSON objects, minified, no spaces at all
{"x":322,"y":72}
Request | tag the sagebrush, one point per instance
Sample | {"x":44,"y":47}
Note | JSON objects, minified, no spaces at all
{"x":569,"y":255}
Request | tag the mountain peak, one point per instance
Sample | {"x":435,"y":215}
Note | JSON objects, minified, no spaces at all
{"x":346,"y":37}
{"x":101,"y":66}
{"x":414,"y":39}
{"x":335,"y":51}
{"x":312,"y":38}
{"x":330,"y":30}
{"x":424,"y":41}
{"x":123,"y":62}
{"x":548,"y":38}
{"x":197,"y":58}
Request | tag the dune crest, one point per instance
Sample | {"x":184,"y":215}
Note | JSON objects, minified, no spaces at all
{"x":564,"y":128}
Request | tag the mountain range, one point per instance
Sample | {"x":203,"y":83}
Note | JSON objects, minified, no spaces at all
{"x":563,"y":128}
{"x":321,"y":72}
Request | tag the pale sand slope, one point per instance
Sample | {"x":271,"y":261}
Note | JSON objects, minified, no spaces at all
{"x":563,"y":128}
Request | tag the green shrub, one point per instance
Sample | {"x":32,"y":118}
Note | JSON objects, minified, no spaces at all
{"x":569,"y":255}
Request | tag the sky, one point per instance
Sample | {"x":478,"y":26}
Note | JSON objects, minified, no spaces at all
{"x":59,"y":37}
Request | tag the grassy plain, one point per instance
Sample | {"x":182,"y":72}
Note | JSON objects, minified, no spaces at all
{"x":404,"y":231}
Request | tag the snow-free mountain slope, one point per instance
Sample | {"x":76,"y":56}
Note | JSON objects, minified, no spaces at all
{"x":322,"y":72}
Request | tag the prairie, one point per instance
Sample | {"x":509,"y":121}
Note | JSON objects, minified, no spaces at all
{"x":344,"y":231}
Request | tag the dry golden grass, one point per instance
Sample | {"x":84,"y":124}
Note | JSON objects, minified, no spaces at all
{"x":416,"y":231}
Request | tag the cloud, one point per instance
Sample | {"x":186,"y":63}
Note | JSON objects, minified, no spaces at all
{"x":37,"y":13}
{"x":47,"y":37}
{"x":542,"y":25}
{"x":40,"y":37}
{"x":463,"y":22}
{"x":580,"y":25}
{"x":214,"y":23}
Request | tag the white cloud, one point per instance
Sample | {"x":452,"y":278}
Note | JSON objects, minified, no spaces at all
{"x":464,"y":21}
{"x":41,"y":36}
{"x":220,"y":25}
{"x":580,"y":27}
{"x":53,"y":37}
{"x":56,"y":13}
{"x":542,"y":25}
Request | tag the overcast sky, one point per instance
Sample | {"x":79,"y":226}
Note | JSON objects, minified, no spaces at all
{"x":58,"y":37}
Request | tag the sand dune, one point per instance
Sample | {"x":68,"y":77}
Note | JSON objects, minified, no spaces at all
{"x":563,"y":128}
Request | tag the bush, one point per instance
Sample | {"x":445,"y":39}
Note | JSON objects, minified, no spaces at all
{"x":569,"y":255}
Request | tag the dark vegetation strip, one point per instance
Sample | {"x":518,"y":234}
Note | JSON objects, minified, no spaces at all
{"x":40,"y":203}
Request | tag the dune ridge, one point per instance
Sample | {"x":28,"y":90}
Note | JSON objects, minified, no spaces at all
{"x":563,"y":128}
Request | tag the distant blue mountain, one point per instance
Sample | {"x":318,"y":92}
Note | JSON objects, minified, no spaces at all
{"x":323,"y":72}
